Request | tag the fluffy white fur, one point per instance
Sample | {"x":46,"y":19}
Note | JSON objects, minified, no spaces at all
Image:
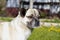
{"x":14,"y":30}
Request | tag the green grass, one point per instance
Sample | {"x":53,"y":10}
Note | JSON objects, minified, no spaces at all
{"x":43,"y":34}
{"x":53,"y":21}
{"x":5,"y":18}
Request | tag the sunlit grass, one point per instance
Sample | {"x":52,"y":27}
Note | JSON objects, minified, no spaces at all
{"x":45,"y":33}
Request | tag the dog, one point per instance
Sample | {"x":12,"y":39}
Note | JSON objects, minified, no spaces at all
{"x":20,"y":27}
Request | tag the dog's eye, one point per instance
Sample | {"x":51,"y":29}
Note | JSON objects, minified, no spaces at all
{"x":29,"y":17}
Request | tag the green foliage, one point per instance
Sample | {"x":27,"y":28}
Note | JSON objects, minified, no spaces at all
{"x":42,"y":33}
{"x":2,"y":8}
{"x":2,"y":12}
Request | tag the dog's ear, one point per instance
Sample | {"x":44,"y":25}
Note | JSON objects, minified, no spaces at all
{"x":37,"y":12}
{"x":22,"y":12}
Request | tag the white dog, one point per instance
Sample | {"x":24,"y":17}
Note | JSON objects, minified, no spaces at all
{"x":19,"y":28}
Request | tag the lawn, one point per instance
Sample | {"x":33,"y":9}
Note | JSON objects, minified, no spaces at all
{"x":45,"y":33}
{"x":5,"y":18}
{"x":52,"y":20}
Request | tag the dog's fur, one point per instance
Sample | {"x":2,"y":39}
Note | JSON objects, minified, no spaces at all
{"x":19,"y":27}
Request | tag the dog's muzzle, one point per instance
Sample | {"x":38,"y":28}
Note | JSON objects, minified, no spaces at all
{"x":34,"y":23}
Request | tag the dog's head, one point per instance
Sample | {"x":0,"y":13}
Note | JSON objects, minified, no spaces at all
{"x":31,"y":18}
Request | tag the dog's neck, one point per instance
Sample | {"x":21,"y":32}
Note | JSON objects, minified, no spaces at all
{"x":24,"y":21}
{"x":19,"y":21}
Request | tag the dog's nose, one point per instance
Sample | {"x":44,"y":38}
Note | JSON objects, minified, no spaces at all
{"x":37,"y":23}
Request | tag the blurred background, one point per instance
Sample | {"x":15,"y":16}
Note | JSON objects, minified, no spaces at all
{"x":46,"y":8}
